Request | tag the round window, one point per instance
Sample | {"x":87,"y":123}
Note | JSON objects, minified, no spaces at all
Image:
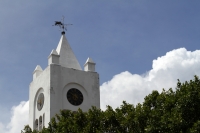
{"x":75,"y":97}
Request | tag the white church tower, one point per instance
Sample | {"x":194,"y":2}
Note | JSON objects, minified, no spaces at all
{"x":62,"y":85}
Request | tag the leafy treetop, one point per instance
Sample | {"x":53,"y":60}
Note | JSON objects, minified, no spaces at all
{"x":166,"y":112}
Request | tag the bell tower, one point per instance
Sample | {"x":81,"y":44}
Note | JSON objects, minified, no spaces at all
{"x":62,"y":85}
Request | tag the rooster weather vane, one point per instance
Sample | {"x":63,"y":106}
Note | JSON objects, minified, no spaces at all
{"x":62,"y":25}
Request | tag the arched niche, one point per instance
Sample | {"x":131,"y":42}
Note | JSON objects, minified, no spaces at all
{"x":36,"y":112}
{"x":40,"y":123}
{"x":65,"y":102}
{"x":36,"y":124}
{"x":44,"y":120}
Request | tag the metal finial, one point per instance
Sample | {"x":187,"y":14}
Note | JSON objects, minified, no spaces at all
{"x":62,"y":25}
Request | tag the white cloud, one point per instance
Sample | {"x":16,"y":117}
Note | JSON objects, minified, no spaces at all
{"x":176,"y":64}
{"x":2,"y":128}
{"x":18,"y":119}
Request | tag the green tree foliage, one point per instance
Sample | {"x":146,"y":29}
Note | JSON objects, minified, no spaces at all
{"x":166,"y":112}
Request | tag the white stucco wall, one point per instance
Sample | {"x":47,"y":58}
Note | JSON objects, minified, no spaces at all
{"x":54,"y":82}
{"x":63,"y":79}
{"x":41,"y":84}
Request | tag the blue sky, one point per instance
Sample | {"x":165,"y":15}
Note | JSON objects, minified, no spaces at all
{"x":118,"y":35}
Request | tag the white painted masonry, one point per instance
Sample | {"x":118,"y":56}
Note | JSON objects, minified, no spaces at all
{"x":67,"y":57}
{"x":62,"y":73}
{"x":89,"y":65}
{"x":38,"y":70}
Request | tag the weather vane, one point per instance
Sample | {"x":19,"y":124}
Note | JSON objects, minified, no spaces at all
{"x":62,"y":25}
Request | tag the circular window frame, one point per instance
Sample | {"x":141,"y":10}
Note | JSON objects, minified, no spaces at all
{"x":75,"y":96}
{"x":41,"y":96}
